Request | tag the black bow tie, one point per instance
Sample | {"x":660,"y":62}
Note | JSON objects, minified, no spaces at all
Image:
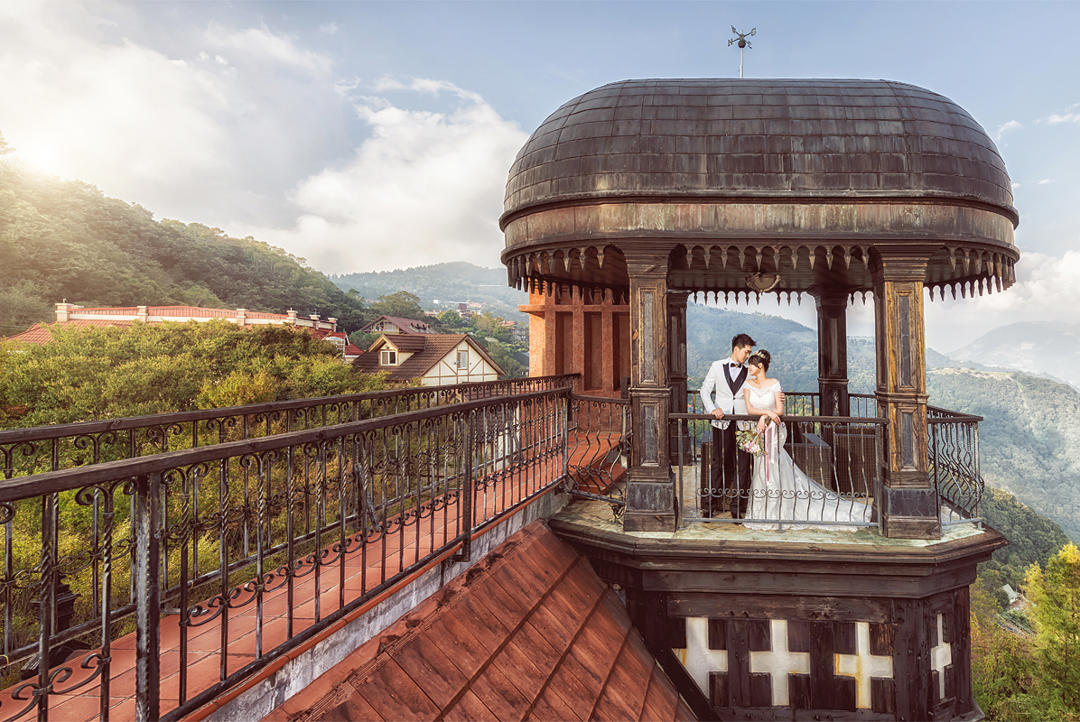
{"x":736,"y":366}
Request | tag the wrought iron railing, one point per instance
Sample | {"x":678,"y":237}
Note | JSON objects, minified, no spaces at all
{"x":599,"y":447}
{"x":214,"y":561}
{"x":803,"y":403}
{"x":953,"y":449}
{"x":954,"y":464}
{"x":825,"y":473}
{"x":62,"y":446}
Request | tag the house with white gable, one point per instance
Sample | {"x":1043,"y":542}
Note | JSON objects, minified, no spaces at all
{"x":433,"y":359}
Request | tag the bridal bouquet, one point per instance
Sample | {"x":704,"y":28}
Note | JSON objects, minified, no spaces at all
{"x":750,"y":441}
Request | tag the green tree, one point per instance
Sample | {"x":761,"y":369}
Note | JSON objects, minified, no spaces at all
{"x":1055,"y":598}
{"x":94,"y":373}
{"x":401,"y":303}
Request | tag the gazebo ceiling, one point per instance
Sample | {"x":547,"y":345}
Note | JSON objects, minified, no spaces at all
{"x":727,"y":178}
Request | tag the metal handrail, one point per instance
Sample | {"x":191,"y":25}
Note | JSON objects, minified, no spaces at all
{"x":206,"y":530}
{"x":26,"y":450}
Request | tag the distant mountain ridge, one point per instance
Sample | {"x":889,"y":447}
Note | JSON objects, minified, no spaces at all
{"x":446,"y":283}
{"x":1047,"y":349}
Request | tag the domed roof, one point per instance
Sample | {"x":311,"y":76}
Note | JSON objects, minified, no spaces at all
{"x":734,"y":138}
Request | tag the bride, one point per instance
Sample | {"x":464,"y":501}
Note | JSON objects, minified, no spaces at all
{"x":778,"y":488}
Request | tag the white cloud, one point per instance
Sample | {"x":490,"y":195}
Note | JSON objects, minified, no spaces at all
{"x":1045,"y":181}
{"x":1006,"y":127}
{"x":1069,"y":115}
{"x":330,"y":28}
{"x":216,"y":131}
{"x":425,"y":187}
{"x":1047,"y":289}
{"x":262,"y":45}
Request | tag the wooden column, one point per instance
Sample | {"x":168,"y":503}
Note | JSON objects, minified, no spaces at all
{"x":650,"y":493}
{"x":607,"y":344}
{"x":676,"y":315}
{"x":832,"y":351}
{"x":908,"y":501}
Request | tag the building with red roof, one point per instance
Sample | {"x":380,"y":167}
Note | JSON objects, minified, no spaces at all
{"x":70,"y":314}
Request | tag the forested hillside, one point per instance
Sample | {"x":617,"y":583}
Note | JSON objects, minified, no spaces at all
{"x":1029,"y":440}
{"x":445,"y":282}
{"x":67,"y":240}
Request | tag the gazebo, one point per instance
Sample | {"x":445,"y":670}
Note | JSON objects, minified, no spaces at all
{"x":641,"y":192}
{"x":634,"y":195}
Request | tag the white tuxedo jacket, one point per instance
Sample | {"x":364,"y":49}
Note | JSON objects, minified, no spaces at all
{"x":729,"y":400}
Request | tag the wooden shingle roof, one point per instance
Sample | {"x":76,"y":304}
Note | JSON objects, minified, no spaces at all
{"x":530,"y":632}
{"x":754,"y":137}
{"x":427,"y":349}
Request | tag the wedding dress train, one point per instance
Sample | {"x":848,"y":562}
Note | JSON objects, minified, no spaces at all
{"x":781,"y":490}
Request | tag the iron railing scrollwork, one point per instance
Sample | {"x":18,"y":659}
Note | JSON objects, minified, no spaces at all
{"x":250,"y":546}
{"x":952,"y":450}
{"x":953,"y":447}
{"x":61,"y":446}
{"x":598,"y":450}
{"x":827,"y":474}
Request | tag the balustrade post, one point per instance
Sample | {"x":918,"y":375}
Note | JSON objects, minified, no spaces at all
{"x":467,"y":490}
{"x":147,"y":596}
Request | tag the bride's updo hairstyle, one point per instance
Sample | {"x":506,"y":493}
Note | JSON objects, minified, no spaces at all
{"x":760,"y":358}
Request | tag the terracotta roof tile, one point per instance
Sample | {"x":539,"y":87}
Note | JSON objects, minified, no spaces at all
{"x":554,"y":707}
{"x":469,"y":709}
{"x":390,"y":691}
{"x":529,"y":632}
{"x":660,"y":700}
{"x":424,"y":660}
{"x":624,"y":694}
{"x":41,"y":333}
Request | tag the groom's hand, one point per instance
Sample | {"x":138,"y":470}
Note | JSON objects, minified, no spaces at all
{"x":718,"y":413}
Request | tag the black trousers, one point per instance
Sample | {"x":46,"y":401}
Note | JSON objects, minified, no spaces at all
{"x":730,"y":473}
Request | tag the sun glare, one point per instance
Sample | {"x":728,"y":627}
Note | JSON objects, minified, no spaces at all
{"x":39,"y":158}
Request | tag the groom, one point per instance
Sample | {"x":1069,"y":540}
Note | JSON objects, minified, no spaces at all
{"x":730,"y":467}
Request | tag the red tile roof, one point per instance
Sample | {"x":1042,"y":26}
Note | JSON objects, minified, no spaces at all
{"x":531,"y":631}
{"x":41,"y":333}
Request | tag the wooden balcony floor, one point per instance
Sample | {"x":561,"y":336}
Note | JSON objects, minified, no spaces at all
{"x":597,"y":514}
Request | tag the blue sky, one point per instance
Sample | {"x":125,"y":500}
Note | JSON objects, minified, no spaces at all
{"x":366,"y":136}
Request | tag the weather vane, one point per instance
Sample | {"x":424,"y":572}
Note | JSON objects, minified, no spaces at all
{"x":741,"y":39}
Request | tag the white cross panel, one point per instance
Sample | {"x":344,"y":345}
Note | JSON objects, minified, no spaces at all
{"x":862,"y":665}
{"x":698,"y":659}
{"x":941,"y":656}
{"x":779,"y":662}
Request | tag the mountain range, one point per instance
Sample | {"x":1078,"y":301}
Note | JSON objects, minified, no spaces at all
{"x":1046,"y":349}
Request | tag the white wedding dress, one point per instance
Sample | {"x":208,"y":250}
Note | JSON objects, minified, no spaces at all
{"x":781,"y":490}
